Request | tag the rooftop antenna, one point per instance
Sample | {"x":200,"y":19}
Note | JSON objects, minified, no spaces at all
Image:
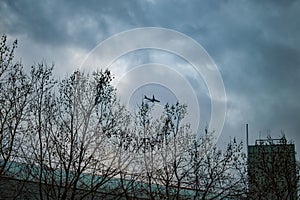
{"x":247,"y":137}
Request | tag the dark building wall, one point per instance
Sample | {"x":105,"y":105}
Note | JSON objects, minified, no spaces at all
{"x":11,"y":188}
{"x":272,"y":171}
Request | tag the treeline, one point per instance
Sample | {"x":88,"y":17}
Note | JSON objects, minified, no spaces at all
{"x":72,"y":139}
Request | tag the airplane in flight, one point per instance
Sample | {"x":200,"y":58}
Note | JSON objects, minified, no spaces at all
{"x":151,"y":100}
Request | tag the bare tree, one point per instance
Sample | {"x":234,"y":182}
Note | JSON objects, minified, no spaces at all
{"x":40,"y":122}
{"x":14,"y":98}
{"x":76,"y":152}
{"x":158,"y":147}
{"x":173,"y":163}
{"x":77,"y":141}
{"x":217,"y":174}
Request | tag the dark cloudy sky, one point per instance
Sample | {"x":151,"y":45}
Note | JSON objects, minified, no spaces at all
{"x":255,"y":45}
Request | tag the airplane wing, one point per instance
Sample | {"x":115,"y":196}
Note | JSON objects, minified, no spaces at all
{"x":151,"y":100}
{"x":147,"y":98}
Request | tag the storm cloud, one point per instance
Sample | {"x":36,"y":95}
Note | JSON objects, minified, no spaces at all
{"x":255,"y":44}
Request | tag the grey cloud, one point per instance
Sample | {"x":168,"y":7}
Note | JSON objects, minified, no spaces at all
{"x":64,"y":23}
{"x":255,"y":44}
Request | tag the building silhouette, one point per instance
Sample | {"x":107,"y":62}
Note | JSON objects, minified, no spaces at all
{"x":272,"y":170}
